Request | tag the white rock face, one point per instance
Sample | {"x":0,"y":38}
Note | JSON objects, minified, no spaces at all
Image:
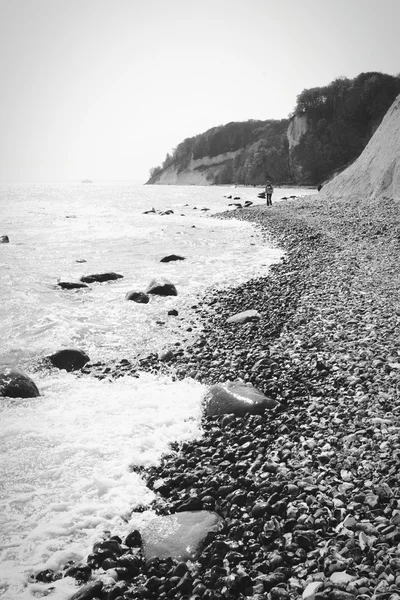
{"x":197,"y":171}
{"x":297,"y":128}
{"x":376,"y":172}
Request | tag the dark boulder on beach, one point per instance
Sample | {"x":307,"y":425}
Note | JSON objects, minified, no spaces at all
{"x":100,"y":277}
{"x":236,"y":397}
{"x":15,"y":384}
{"x":139,"y":297}
{"x":244,"y":317}
{"x":4,"y":239}
{"x":69,"y":359}
{"x":179,"y":536}
{"x":161,"y":287}
{"x":172,"y":257}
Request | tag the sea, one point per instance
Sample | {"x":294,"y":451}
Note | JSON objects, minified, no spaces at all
{"x":66,"y":456}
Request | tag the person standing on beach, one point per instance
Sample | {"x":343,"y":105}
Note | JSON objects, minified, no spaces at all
{"x":268,"y":193}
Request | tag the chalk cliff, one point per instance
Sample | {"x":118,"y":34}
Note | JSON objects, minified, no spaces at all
{"x":376,"y":172}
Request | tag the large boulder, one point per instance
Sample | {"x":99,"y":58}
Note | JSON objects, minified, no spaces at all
{"x":15,"y":384}
{"x":172,"y":257}
{"x":4,"y":239}
{"x":100,"y":277}
{"x":244,"y":317}
{"x":179,"y":536}
{"x":236,"y":397}
{"x":69,"y":359}
{"x":161,"y":287}
{"x":139,"y":297}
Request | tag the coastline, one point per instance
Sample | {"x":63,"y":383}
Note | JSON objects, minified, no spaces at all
{"x":310,"y":494}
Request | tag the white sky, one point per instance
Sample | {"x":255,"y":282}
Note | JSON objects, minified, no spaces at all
{"x":105,"y":88}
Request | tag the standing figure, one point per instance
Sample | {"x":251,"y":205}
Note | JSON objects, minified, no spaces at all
{"x":268,"y":193}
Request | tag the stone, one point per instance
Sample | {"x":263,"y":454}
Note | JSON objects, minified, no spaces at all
{"x":311,"y":589}
{"x":139,"y":297}
{"x":100,"y":277}
{"x":15,"y":384}
{"x":88,"y":591}
{"x":179,"y":536}
{"x":237,"y":398}
{"x":166,"y":355}
{"x":69,"y":359}
{"x":161,"y":287}
{"x":172,"y":257}
{"x":71,"y":285}
{"x":4,"y":239}
{"x":244,"y":317}
{"x":173,"y":312}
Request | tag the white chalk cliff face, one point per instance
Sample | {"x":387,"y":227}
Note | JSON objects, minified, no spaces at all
{"x":376,"y":172}
{"x":297,"y":128}
{"x":201,"y":171}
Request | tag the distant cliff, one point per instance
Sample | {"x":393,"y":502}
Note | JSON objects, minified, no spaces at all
{"x":329,"y":129}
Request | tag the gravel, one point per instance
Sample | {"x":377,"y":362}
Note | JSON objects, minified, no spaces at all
{"x":310,"y":495}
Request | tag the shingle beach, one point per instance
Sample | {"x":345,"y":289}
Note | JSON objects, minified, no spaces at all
{"x":309,"y":494}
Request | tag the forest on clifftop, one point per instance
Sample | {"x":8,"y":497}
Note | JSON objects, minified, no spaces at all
{"x":341,"y":118}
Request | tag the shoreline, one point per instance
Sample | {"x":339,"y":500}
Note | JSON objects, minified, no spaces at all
{"x":310,"y":494}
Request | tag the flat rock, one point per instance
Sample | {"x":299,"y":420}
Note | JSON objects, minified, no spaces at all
{"x":4,"y":239}
{"x":71,"y":285}
{"x":139,"y":297}
{"x":100,"y":277}
{"x":15,"y":384}
{"x":179,"y":536}
{"x":244,"y":317}
{"x":69,"y":359}
{"x":172,"y":257}
{"x":161,"y":287}
{"x":237,"y":398}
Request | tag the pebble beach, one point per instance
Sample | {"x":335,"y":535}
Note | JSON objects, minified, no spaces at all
{"x":308,"y":492}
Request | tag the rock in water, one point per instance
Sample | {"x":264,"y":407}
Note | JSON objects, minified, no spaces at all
{"x":172,"y":257}
{"x":161,"y":287}
{"x":100,"y":277}
{"x":244,"y":317}
{"x":70,"y":359}
{"x":71,"y":285}
{"x":179,"y":536}
{"x":4,"y":239}
{"x":237,"y":398}
{"x":15,"y":384}
{"x":88,"y":591}
{"x":139,"y":297}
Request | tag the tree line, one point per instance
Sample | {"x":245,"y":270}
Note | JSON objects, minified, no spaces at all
{"x":341,"y":118}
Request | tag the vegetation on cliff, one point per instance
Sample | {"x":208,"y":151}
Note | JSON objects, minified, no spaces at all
{"x":341,"y":118}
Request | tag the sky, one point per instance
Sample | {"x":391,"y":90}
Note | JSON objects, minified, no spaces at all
{"x":103,"y":89}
